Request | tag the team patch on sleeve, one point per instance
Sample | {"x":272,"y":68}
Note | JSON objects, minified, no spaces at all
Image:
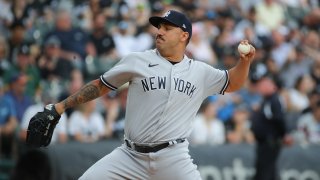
{"x":107,"y":84}
{"x":226,"y":83}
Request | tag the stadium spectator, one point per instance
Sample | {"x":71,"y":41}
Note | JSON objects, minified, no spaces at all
{"x":311,"y":44}
{"x":8,"y":123}
{"x":100,"y":37}
{"x":270,"y":14}
{"x":24,"y":64}
{"x":314,"y":97}
{"x":199,"y":47}
{"x":75,"y":43}
{"x":15,"y":39}
{"x":117,"y":10}
{"x":249,"y":28}
{"x":298,"y":95}
{"x":281,"y":50}
{"x":308,"y":128}
{"x":103,"y":43}
{"x":43,"y":24}
{"x":298,"y":65}
{"x":124,"y":38}
{"x":16,"y":94}
{"x":249,"y":96}
{"x":86,"y":125}
{"x":238,"y":129}
{"x":51,"y":65}
{"x":225,"y":40}
{"x":312,"y":18}
{"x":208,"y":129}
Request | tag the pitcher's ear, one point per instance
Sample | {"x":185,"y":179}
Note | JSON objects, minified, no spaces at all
{"x":185,"y":36}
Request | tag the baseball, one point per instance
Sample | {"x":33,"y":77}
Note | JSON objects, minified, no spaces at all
{"x":244,"y":48}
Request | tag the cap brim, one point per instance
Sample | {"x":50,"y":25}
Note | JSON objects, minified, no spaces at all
{"x":155,"y":21}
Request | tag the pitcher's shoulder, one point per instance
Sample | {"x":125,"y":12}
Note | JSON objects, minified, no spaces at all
{"x":143,"y":53}
{"x":200,"y":64}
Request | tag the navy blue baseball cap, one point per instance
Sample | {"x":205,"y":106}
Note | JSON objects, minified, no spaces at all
{"x":173,"y":17}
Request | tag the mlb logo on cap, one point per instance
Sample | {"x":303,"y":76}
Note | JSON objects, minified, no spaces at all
{"x":173,"y":17}
{"x":166,"y":14}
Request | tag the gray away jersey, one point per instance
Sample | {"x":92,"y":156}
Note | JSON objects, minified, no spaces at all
{"x":163,"y":99}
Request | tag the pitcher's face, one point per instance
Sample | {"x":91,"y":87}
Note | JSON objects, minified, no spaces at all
{"x":169,"y":36}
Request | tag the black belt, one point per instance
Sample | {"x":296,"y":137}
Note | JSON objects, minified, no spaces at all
{"x":149,"y":149}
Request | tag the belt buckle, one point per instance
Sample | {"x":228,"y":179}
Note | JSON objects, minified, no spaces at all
{"x":131,"y":144}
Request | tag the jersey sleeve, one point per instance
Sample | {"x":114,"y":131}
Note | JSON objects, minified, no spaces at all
{"x":120,"y":74}
{"x":216,"y":81}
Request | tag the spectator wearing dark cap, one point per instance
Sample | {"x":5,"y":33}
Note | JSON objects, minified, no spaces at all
{"x":50,"y":64}
{"x":16,"y":39}
{"x":24,"y":65}
{"x":8,"y":123}
{"x":269,"y":127}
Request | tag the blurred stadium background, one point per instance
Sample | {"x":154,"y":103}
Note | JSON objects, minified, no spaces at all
{"x":50,"y":48}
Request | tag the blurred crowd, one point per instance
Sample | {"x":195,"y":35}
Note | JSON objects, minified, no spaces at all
{"x":50,"y":48}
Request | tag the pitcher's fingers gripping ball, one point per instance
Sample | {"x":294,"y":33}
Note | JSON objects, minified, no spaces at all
{"x":246,"y":50}
{"x":41,"y":127}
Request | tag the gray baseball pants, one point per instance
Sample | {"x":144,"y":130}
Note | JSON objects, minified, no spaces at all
{"x":171,"y":163}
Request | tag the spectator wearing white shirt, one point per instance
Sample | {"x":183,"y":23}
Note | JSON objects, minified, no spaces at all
{"x":124,"y":40}
{"x":270,"y":13}
{"x":298,"y":96}
{"x":308,"y":130}
{"x":208,"y":129}
{"x":199,"y":46}
{"x":85,"y":124}
{"x":59,"y":134}
{"x":281,"y":51}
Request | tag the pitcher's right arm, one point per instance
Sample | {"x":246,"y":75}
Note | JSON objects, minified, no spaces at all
{"x":88,"y":92}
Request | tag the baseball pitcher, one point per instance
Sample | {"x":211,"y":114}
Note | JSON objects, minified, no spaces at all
{"x":166,"y":88}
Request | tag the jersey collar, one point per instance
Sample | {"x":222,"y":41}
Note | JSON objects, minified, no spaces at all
{"x":185,"y":61}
